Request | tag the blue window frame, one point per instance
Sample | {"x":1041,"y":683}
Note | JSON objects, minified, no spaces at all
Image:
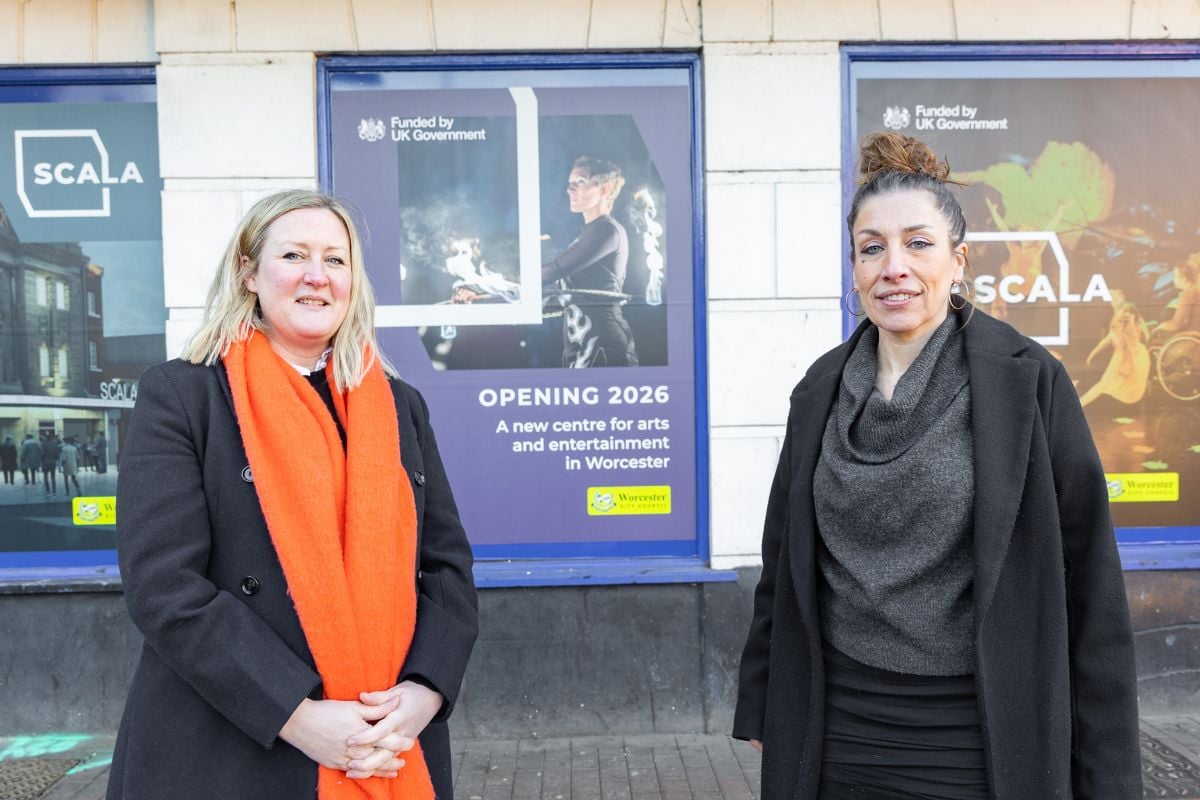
{"x":461,"y":161}
{"x":80,"y":199}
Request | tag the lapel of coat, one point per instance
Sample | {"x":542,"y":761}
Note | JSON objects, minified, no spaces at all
{"x":811,"y":405}
{"x":1003,"y":389}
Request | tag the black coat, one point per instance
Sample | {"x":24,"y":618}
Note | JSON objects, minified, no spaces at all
{"x":8,"y":456}
{"x":1055,"y":674}
{"x":225,"y":661}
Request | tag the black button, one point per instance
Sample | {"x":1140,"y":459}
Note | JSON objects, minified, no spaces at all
{"x":249,"y":584}
{"x":419,"y":478}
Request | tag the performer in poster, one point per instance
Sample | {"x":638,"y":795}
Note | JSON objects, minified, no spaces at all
{"x":591,"y":272}
{"x":938,"y":532}
{"x":1187,"y":313}
{"x":587,"y":280}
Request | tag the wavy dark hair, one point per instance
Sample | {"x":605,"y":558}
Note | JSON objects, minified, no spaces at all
{"x":892,"y":162}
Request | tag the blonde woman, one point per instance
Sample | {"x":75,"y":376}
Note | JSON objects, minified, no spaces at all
{"x":307,"y":618}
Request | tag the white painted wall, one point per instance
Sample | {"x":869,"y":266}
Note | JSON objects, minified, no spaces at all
{"x":237,"y":120}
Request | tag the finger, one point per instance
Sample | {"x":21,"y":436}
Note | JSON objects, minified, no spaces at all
{"x":372,"y":712}
{"x":382,"y":773}
{"x":376,"y":698}
{"x":397,"y":743}
{"x":756,"y":744}
{"x":374,"y":734}
{"x":378,"y":759}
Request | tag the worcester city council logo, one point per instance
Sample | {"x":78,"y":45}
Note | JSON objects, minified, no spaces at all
{"x":603,"y":501}
{"x":88,"y":512}
{"x":1115,"y":489}
{"x":370,"y":130}
{"x":896,"y":118}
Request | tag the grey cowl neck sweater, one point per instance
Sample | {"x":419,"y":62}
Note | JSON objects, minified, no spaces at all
{"x":893,"y":491}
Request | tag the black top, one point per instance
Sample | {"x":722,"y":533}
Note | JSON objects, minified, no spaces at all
{"x":596,"y":260}
{"x":320,"y":381}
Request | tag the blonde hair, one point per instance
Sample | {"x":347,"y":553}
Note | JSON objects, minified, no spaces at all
{"x":231,"y":313}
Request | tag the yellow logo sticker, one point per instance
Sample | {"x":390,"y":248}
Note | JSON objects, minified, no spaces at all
{"x":613,"y":500}
{"x":94,"y":510}
{"x":1142,"y":487}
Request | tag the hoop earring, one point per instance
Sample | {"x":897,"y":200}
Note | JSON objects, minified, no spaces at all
{"x":961,"y":290}
{"x":846,"y":303}
{"x":967,"y":286}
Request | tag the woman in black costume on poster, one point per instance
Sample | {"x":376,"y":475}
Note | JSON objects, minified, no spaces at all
{"x":587,"y":280}
{"x":591,"y":272}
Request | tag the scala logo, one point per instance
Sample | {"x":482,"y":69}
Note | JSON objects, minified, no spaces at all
{"x":79,"y":160}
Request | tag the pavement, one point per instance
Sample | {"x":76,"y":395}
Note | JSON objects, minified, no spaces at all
{"x":643,"y":767}
{"x":91,"y":483}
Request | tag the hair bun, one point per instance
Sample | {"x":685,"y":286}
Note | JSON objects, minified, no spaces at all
{"x":895,"y":152}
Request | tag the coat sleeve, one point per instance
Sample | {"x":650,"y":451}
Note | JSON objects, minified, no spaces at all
{"x":1105,"y":749}
{"x":750,"y":712}
{"x":212,"y":640}
{"x":447,"y":615}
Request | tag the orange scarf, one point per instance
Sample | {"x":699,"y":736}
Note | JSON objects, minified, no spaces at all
{"x":343,"y":522}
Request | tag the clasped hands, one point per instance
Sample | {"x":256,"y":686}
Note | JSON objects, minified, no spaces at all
{"x":363,"y":737}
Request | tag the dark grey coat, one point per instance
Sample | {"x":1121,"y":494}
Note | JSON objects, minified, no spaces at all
{"x":225,"y":661}
{"x":1053,"y":643}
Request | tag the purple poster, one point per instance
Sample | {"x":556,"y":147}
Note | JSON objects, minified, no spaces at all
{"x":530,"y":241}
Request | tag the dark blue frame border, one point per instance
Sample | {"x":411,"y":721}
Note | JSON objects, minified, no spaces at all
{"x":1140,"y":548}
{"x":551,"y":571}
{"x":67,"y":570}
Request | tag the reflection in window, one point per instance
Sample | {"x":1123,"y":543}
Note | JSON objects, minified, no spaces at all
{"x":44,"y":361}
{"x":62,"y":364}
{"x":93,"y":356}
{"x":91,"y":304}
{"x":60,"y":295}
{"x":42,"y":297}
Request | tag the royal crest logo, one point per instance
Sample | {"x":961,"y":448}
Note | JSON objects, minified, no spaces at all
{"x":896,"y":118}
{"x":370,"y":130}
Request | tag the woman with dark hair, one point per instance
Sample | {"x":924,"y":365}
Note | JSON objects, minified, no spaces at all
{"x":307,"y":621}
{"x":941,"y":612}
{"x":591,"y":272}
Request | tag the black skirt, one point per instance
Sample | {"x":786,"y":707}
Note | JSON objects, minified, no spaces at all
{"x":893,"y":736}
